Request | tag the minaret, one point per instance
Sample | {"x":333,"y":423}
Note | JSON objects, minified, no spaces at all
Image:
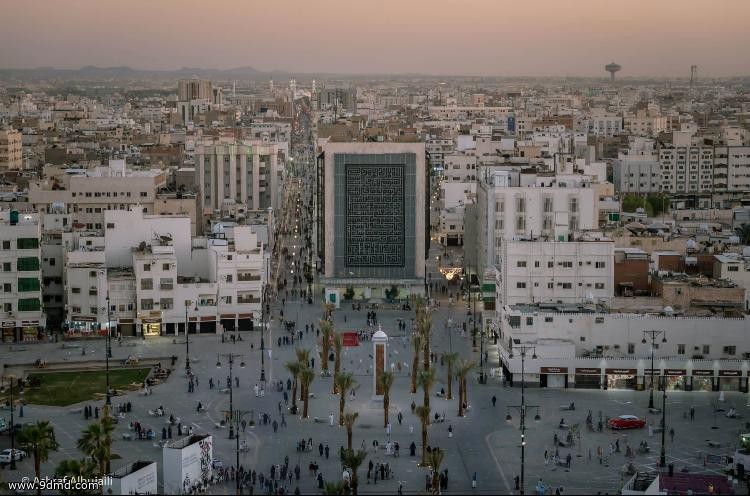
{"x":270,"y":85}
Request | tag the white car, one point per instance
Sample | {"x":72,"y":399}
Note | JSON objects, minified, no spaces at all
{"x":17,"y":455}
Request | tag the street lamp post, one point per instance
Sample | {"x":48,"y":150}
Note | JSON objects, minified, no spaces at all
{"x":653,"y":334}
{"x":523,"y":407}
{"x":10,"y":380}
{"x":109,"y":351}
{"x":187,"y":335}
{"x":230,"y":357}
{"x":236,"y":416}
{"x":262,"y":341}
{"x":663,"y":454}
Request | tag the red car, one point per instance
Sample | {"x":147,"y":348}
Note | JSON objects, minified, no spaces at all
{"x":626,"y":422}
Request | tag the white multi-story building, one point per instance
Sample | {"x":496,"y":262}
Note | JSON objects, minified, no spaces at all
{"x":637,"y":173}
{"x":436,"y":150}
{"x":551,"y":212}
{"x":247,"y":173}
{"x":558,"y":272}
{"x":646,"y":123}
{"x":687,"y":169}
{"x":460,"y":168}
{"x":602,"y":123}
{"x":21,"y":316}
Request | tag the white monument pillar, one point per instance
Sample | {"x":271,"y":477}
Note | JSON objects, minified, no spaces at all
{"x":379,"y":356}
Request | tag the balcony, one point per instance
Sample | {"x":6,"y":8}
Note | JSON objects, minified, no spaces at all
{"x":166,"y":286}
{"x":247,"y":299}
{"x":247,"y":277}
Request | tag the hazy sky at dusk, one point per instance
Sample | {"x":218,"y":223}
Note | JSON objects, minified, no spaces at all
{"x":472,"y":37}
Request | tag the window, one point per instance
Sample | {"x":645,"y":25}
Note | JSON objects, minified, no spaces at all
{"x":76,"y":290}
{"x":599,"y":285}
{"x":600,"y":265}
{"x":631,"y":348}
{"x":93,"y":310}
{"x":29,"y":304}
{"x":75,"y":309}
{"x":147,"y":267}
{"x":733,"y":268}
{"x":27,"y":243}
{"x":147,"y":284}
{"x":730,"y":350}
{"x":229,"y":277}
{"x":228,"y":300}
{"x":52,"y":262}
{"x":520,"y":285}
{"x":706,"y":349}
{"x":147,"y":304}
{"x":6,"y":267}
{"x":143,"y":194}
{"x":514,"y":321}
{"x":567,"y":265}
{"x":521,"y":263}
{"x":550,"y":285}
{"x":7,"y":288}
{"x":529,"y":321}
{"x":550,"y":264}
{"x":166,"y":303}
{"x":6,"y":244}
{"x":92,"y":273}
{"x":548,"y":319}
{"x":165,"y":266}
{"x":567,"y":285}
{"x":536,"y":263}
{"x":680,"y":349}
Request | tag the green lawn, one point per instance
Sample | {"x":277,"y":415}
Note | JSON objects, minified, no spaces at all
{"x":66,"y":388}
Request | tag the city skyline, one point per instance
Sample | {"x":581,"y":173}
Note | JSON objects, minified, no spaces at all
{"x":475,"y":38}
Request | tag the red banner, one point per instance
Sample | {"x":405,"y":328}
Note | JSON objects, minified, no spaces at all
{"x":351,"y":339}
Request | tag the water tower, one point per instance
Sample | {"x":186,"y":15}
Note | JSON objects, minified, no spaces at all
{"x":611,"y":69}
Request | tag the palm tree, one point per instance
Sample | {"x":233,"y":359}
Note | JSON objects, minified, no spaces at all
{"x":426,"y":379}
{"x":435,"y":460}
{"x":95,"y":442}
{"x":338,"y":344}
{"x":335,"y":488}
{"x":463,"y":369}
{"x":294,"y":368}
{"x":344,"y":383}
{"x":423,"y":412}
{"x":328,"y":310}
{"x":450,"y":360}
{"x":425,"y":328}
{"x":39,"y":440}
{"x":386,"y":382}
{"x":353,"y":460}
{"x":349,"y":419}
{"x":326,"y":334}
{"x":77,"y":468}
{"x":306,"y":376}
{"x":303,"y":356}
{"x":417,"y":342}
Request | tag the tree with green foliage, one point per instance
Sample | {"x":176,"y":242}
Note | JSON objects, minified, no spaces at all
{"x":38,"y":440}
{"x":353,"y":460}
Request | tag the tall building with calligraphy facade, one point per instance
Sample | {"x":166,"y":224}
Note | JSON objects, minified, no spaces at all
{"x":372,"y":201}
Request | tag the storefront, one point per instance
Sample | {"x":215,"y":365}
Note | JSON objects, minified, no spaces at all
{"x":621,"y":379}
{"x":703,"y":380}
{"x":245,"y":322}
{"x":228,"y":322}
{"x":151,"y":327}
{"x":553,"y":377}
{"x":207,"y":325}
{"x":126,"y":327}
{"x":9,"y":331}
{"x":730,"y":380}
{"x":82,"y":326}
{"x":588,"y":378}
{"x":675,"y":379}
{"x":29,"y":331}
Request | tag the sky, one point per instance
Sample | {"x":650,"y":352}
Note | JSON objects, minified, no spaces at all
{"x":443,"y":37}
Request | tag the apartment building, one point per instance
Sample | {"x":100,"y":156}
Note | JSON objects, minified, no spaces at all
{"x":687,"y":169}
{"x":602,"y":123}
{"x":557,"y":272}
{"x":11,"y":150}
{"x":21,"y":315}
{"x":646,"y":123}
{"x":247,"y":173}
{"x":460,"y":168}
{"x":641,"y":173}
{"x":436,"y":149}
{"x":194,"y":89}
{"x":87,"y":193}
{"x":551,"y":212}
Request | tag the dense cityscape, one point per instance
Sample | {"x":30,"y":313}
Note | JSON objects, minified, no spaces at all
{"x":236,"y":281}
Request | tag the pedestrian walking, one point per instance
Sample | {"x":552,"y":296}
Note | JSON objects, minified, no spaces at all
{"x":400,"y":417}
{"x":671,"y":434}
{"x":327,"y":451}
{"x":330,"y":420}
{"x":474,"y":481}
{"x":494,"y":400}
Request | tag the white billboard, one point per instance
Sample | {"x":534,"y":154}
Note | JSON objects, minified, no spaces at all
{"x":137,"y":478}
{"x":187,"y":463}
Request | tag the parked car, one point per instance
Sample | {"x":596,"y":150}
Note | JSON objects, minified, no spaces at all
{"x":626,"y":422}
{"x":17,"y":455}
